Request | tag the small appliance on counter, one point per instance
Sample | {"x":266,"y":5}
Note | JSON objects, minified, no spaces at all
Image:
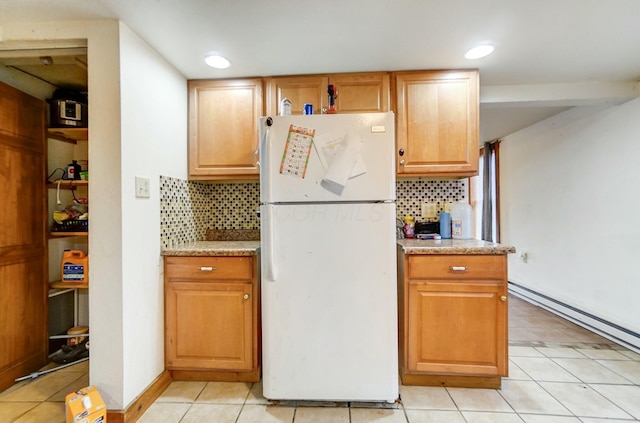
{"x":427,"y":230}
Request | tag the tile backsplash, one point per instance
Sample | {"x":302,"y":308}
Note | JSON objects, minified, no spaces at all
{"x":188,"y":208}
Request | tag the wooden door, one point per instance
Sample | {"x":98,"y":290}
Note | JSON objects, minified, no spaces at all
{"x":437,"y":123}
{"x":457,"y":327}
{"x":223,"y":128}
{"x":299,"y":90}
{"x":361,"y":92}
{"x":209,"y":326}
{"x":23,"y":253}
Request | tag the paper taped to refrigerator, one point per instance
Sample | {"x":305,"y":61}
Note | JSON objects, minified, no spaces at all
{"x":340,"y":168}
{"x":327,"y":145}
{"x":297,"y":149}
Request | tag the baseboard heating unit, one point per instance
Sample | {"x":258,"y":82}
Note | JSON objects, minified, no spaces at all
{"x":609,"y":330}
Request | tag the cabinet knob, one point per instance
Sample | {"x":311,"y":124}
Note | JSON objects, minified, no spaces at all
{"x":246,"y":296}
{"x":402,"y":161}
{"x":503,"y":298}
{"x":401,"y":152}
{"x":207,"y":268}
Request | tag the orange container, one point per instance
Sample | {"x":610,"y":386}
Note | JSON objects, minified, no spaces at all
{"x":75,"y":266}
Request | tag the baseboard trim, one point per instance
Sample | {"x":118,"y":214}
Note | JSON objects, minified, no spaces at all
{"x":137,"y":408}
{"x":616,"y":333}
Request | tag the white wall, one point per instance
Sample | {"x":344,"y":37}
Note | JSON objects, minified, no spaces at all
{"x":154,"y":134}
{"x":569,"y":198}
{"x":137,"y":126}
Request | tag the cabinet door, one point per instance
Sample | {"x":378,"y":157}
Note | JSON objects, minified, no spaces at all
{"x":361,"y":92}
{"x":223,"y":128}
{"x":23,"y":250}
{"x":209,"y":325}
{"x":299,"y":90}
{"x":437,"y":123}
{"x":457,"y":328}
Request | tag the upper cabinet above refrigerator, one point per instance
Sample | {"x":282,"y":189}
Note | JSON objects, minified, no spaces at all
{"x":365,"y":92}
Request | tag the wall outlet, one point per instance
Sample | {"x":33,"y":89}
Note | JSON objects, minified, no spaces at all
{"x":142,"y":187}
{"x":524,"y":256}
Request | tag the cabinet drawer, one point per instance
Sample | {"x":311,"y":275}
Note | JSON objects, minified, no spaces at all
{"x":457,"y":267}
{"x":205,"y":268}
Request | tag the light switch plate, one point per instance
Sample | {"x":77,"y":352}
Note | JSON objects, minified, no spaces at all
{"x":142,"y":187}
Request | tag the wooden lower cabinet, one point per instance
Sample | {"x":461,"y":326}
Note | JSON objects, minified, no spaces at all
{"x":212,"y":318}
{"x":453,"y":320}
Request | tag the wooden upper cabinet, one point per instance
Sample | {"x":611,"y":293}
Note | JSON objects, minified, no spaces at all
{"x":437,"y":123}
{"x":299,"y":90}
{"x":223,"y":128}
{"x":361,"y":92}
{"x":357,"y":92}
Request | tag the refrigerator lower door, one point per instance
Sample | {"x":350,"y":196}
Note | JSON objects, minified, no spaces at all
{"x":329,"y":307}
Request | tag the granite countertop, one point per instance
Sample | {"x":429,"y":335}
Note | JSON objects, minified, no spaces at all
{"x":453,"y":246}
{"x":214,"y":248}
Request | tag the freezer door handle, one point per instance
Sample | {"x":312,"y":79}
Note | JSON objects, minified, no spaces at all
{"x":263,"y":162}
{"x":272,"y":268}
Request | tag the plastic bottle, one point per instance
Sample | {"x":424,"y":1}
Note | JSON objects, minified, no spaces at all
{"x":445,"y":225}
{"x":461,"y":220}
{"x":74,"y":266}
{"x":409,"y":225}
{"x":285,"y":107}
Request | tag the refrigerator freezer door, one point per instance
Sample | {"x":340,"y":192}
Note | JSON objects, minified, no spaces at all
{"x":351,"y":158}
{"x":329,"y":312}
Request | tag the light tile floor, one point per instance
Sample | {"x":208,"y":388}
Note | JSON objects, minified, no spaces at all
{"x":559,"y":373}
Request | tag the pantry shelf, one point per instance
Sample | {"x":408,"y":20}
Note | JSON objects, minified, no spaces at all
{"x":71,"y":135}
{"x":68,"y":183}
{"x":65,"y":234}
{"x":68,"y":285}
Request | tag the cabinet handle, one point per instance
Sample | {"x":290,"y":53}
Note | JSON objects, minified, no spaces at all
{"x":503,"y":298}
{"x":458,"y":268}
{"x":207,"y":269}
{"x":402,"y":162}
{"x":246,"y":296}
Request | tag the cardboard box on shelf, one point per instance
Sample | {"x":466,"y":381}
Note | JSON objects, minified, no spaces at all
{"x":85,"y":406}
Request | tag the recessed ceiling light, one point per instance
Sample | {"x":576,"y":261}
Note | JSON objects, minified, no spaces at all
{"x":479,"y":52}
{"x":217,"y":62}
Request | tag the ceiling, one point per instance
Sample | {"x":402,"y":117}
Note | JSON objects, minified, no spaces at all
{"x":550,"y":54}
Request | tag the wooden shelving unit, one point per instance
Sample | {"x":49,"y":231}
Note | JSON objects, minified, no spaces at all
{"x":59,"y":287}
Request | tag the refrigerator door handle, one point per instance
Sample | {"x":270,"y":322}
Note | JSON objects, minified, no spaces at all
{"x":272,"y":268}
{"x":265,"y":124}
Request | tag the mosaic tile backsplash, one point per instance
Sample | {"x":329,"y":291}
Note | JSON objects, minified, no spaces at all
{"x":188,"y":209}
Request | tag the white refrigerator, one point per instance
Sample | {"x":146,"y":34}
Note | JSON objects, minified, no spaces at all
{"x":328,"y":266}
